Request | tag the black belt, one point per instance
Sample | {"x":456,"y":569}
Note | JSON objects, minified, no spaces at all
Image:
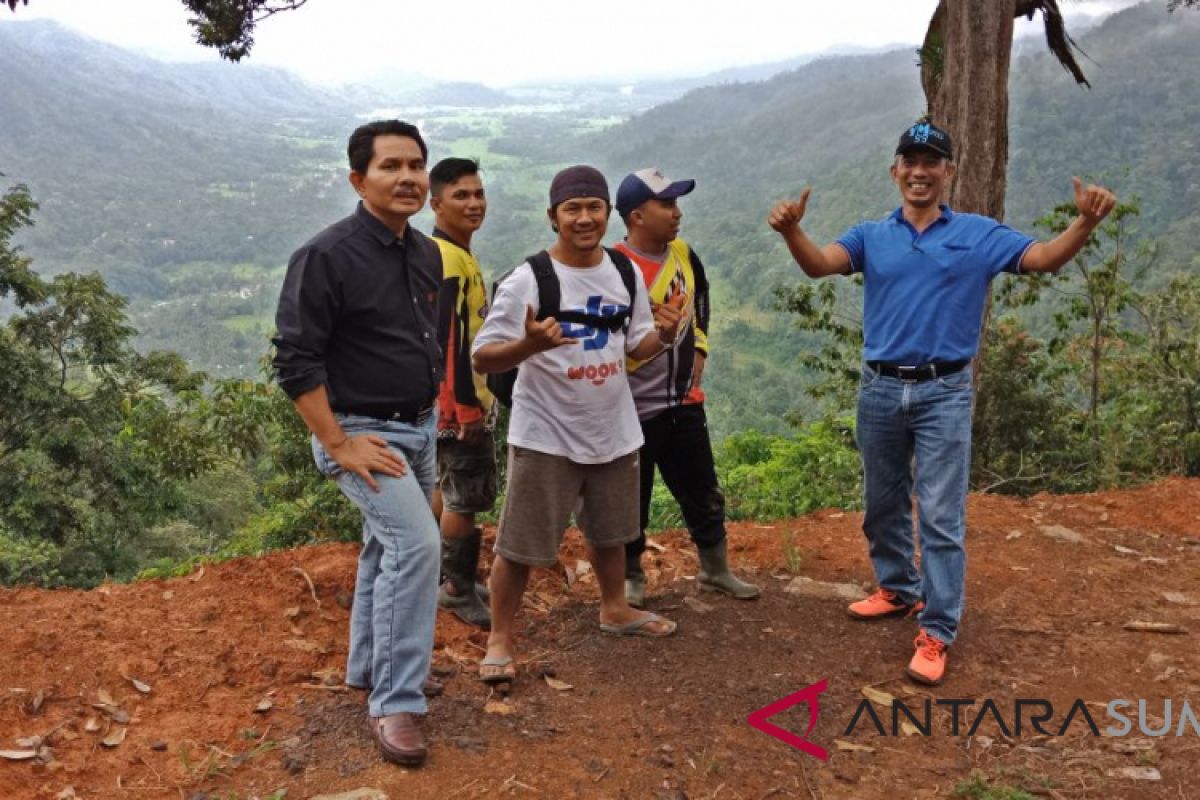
{"x":919,"y":372}
{"x":408,"y":417}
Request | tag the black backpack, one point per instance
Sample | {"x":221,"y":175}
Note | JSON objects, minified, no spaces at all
{"x":500,"y":384}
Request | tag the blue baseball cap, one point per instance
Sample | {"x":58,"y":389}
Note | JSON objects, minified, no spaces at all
{"x":649,"y":184}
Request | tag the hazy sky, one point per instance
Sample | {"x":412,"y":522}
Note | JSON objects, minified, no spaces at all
{"x":502,"y":42}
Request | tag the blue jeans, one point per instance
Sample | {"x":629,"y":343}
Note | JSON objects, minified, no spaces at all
{"x":918,"y":433}
{"x":395,"y":593}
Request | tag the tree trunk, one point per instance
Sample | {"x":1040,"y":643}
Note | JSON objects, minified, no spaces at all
{"x":964,"y":72}
{"x":971,"y":98}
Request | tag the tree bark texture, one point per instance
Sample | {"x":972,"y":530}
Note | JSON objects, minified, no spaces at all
{"x":968,"y":77}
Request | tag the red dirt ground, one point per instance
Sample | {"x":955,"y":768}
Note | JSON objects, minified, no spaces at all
{"x":243,"y":666}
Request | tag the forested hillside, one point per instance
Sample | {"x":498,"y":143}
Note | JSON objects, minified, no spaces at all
{"x":141,"y":166}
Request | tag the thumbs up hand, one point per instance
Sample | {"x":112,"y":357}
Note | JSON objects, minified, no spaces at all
{"x":788,"y":213}
{"x":1094,"y":202}
{"x":667,"y":317}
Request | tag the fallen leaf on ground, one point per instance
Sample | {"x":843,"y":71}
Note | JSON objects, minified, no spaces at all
{"x":104,"y":698}
{"x":32,"y":742}
{"x":198,"y":575}
{"x":92,"y":725}
{"x":264,"y":705}
{"x":330,"y":676}
{"x":114,"y":738}
{"x":499,"y":707}
{"x":1136,"y":773}
{"x":115,"y":713}
{"x":303,"y":644}
{"x":879,"y":698}
{"x":144,"y":688}
{"x":457,"y":657}
{"x":365,"y":793}
{"x":851,"y":747}
{"x":66,"y":794}
{"x":557,"y":685}
{"x":699,"y":606}
{"x":18,"y":755}
{"x":34,"y":704}
{"x":909,"y":729}
{"x":1059,"y":533}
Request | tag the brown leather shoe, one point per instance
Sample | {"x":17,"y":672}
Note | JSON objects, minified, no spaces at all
{"x":399,"y":739}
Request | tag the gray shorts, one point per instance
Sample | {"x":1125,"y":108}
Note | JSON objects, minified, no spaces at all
{"x":466,"y":475}
{"x":543,"y":491}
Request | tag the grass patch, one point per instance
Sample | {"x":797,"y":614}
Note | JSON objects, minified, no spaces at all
{"x":1010,"y":784}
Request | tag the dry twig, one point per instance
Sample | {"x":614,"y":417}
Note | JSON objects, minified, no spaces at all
{"x":807,"y":785}
{"x":312,"y":589}
{"x":1154,"y":627}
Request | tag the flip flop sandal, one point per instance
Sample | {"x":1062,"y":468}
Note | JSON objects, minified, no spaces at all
{"x":507,"y":673}
{"x":638,"y":627}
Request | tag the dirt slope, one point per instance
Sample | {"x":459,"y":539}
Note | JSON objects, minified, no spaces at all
{"x":238,"y":669}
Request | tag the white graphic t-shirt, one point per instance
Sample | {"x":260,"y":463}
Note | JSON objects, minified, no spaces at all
{"x":574,"y":400}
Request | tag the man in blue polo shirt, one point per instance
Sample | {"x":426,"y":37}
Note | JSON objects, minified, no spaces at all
{"x":926,"y":274}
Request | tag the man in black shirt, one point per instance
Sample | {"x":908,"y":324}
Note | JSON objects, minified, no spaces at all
{"x":357,"y":352}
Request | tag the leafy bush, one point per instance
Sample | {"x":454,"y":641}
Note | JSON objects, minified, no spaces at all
{"x":772,"y":477}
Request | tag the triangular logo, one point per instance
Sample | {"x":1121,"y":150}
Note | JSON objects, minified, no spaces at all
{"x":809,"y":695}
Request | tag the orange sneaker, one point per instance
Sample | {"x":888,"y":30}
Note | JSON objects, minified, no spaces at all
{"x":928,"y":664}
{"x":882,"y":604}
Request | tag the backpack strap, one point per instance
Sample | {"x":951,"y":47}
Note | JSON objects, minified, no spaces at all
{"x":549,"y":292}
{"x":628,"y":275}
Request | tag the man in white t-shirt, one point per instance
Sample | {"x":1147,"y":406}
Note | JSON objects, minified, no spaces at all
{"x":574,"y":434}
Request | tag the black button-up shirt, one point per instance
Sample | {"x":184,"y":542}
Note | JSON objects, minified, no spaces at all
{"x":358,"y":313}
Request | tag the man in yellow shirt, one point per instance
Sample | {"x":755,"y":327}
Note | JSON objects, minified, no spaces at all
{"x":666,"y":388}
{"x":466,"y":454}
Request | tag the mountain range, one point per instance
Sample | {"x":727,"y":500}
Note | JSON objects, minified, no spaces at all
{"x":187,"y":185}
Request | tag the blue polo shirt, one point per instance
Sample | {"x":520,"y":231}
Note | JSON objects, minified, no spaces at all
{"x":925,"y":293}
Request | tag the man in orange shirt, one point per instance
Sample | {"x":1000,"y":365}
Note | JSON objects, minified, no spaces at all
{"x":666,"y":388}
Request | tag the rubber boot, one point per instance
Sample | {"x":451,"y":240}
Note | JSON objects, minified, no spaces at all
{"x":460,"y":561}
{"x":481,"y":589}
{"x":635,"y":582}
{"x":715,"y":575}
